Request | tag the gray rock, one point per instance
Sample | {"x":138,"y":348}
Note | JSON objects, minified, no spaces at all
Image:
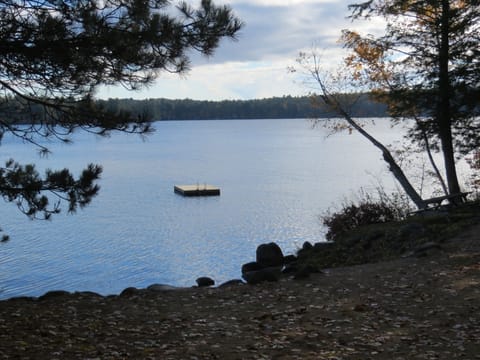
{"x":288,"y":259}
{"x":129,"y":291}
{"x":269,"y":255}
{"x":290,"y":268}
{"x":229,"y":283}
{"x":270,"y":274}
{"x":205,"y":281}
{"x":305,"y":271}
{"x":307,"y":245}
{"x":53,"y":294}
{"x":88,"y":294}
{"x":322,"y":246}
{"x":251,"y":266}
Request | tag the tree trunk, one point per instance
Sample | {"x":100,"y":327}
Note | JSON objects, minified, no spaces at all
{"x":443,"y":108}
{"x":387,"y":156}
{"x":334,"y":104}
{"x":431,"y":159}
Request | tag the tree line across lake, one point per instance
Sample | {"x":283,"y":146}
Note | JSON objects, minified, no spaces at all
{"x":286,"y":107}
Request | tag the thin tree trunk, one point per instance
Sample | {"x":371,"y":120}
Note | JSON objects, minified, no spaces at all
{"x":397,"y":172}
{"x":389,"y":159}
{"x":431,"y":159}
{"x":443,"y":108}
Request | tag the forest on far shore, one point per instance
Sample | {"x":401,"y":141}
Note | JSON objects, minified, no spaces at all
{"x":286,"y":107}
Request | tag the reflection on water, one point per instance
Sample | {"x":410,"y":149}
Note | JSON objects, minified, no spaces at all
{"x":276,"y":177}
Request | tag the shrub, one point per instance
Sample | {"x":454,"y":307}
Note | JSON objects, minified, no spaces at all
{"x":353,"y":216}
{"x":367,"y":210}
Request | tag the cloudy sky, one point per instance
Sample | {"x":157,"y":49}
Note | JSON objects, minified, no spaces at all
{"x":255,"y":66}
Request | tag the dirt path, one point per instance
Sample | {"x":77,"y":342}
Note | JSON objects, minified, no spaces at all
{"x":412,"y":308}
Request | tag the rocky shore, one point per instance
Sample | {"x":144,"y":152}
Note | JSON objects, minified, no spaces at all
{"x":424,"y":305}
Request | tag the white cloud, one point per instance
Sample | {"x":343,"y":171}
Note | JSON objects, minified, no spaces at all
{"x":232,"y":80}
{"x":255,"y":65}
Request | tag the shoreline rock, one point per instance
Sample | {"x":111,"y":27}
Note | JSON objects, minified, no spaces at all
{"x":269,"y":255}
{"x":205,"y":281}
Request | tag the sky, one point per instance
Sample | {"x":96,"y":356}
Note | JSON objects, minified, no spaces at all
{"x":255,"y":66}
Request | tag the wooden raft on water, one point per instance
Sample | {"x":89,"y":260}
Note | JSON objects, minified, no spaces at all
{"x":197,"y":190}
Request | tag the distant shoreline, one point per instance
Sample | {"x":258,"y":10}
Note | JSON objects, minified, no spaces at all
{"x":287,"y":107}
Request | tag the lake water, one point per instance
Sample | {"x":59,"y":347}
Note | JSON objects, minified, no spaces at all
{"x":276,"y":178}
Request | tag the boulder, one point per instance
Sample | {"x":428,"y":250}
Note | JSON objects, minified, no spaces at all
{"x":307,"y":245}
{"x":290,"y":268}
{"x":205,"y":281}
{"x":289,"y":259}
{"x":54,"y":294}
{"x":305,"y":271}
{"x":269,"y":255}
{"x":267,"y":274}
{"x":129,"y":291}
{"x":88,"y":294}
{"x":251,"y":266}
{"x":229,"y":283}
{"x":322,"y":246}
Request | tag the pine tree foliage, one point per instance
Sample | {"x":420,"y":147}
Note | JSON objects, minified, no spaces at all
{"x":54,"y":55}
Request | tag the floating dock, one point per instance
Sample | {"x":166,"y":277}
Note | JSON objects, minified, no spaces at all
{"x":197,"y":190}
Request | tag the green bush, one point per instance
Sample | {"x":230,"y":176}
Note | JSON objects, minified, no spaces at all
{"x":353,"y":216}
{"x":368,"y":207}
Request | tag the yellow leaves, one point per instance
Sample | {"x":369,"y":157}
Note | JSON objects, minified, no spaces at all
{"x":349,"y":37}
{"x":368,"y":51}
{"x":429,"y":10}
{"x":367,"y":61}
{"x":459,"y":4}
{"x":365,"y":49}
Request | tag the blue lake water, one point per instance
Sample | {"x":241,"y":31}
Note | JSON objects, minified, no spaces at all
{"x":276,"y":178}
